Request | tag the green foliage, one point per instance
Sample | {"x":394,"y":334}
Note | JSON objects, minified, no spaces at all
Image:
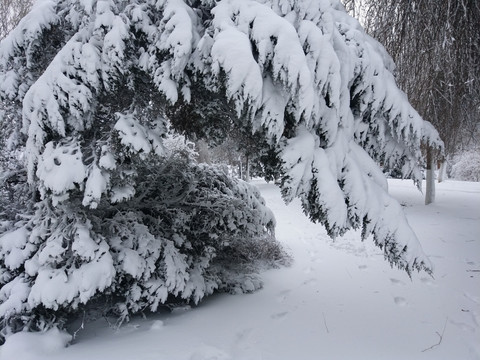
{"x":189,"y":230}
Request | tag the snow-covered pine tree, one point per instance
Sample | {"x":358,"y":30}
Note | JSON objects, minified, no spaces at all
{"x":86,"y":87}
{"x":188,"y":230}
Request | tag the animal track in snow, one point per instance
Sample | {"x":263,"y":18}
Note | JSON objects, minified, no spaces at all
{"x":362,"y":267}
{"x":427,"y":281}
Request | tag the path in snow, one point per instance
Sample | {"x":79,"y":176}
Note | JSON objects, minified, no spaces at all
{"x":339,"y":300}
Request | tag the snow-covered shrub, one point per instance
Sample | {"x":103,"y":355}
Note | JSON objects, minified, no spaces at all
{"x":466,"y":166}
{"x":189,"y":230}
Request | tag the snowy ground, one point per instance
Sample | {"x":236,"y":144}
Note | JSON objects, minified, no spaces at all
{"x":339,"y":300}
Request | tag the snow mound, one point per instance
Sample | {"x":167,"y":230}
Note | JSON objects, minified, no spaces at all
{"x":39,"y":344}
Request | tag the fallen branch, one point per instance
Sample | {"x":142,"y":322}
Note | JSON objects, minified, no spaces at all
{"x":439,"y":335}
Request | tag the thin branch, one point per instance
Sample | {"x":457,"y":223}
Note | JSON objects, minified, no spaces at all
{"x":82,"y":326}
{"x":439,"y":335}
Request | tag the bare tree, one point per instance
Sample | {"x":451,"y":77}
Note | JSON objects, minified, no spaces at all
{"x":436,"y":48}
{"x":11,"y":12}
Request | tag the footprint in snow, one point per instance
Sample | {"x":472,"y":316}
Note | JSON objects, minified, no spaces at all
{"x":279,"y":316}
{"x":310,"y":281}
{"x":282,"y":296}
{"x":396,"y":281}
{"x":362,"y":267}
{"x":314,"y":257}
{"x":400,"y":301}
{"x":244,"y":335}
{"x":308,"y":270}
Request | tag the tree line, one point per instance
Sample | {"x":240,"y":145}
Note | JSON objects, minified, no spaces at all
{"x":436,"y":49}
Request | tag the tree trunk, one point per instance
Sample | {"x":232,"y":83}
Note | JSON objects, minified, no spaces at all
{"x":442,"y":173}
{"x":247,"y":169}
{"x":240,"y":169}
{"x":430,"y":177}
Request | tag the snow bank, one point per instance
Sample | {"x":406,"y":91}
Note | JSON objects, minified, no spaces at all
{"x":32,"y":346}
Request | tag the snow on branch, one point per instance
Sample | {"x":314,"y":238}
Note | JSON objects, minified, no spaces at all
{"x":301,"y":78}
